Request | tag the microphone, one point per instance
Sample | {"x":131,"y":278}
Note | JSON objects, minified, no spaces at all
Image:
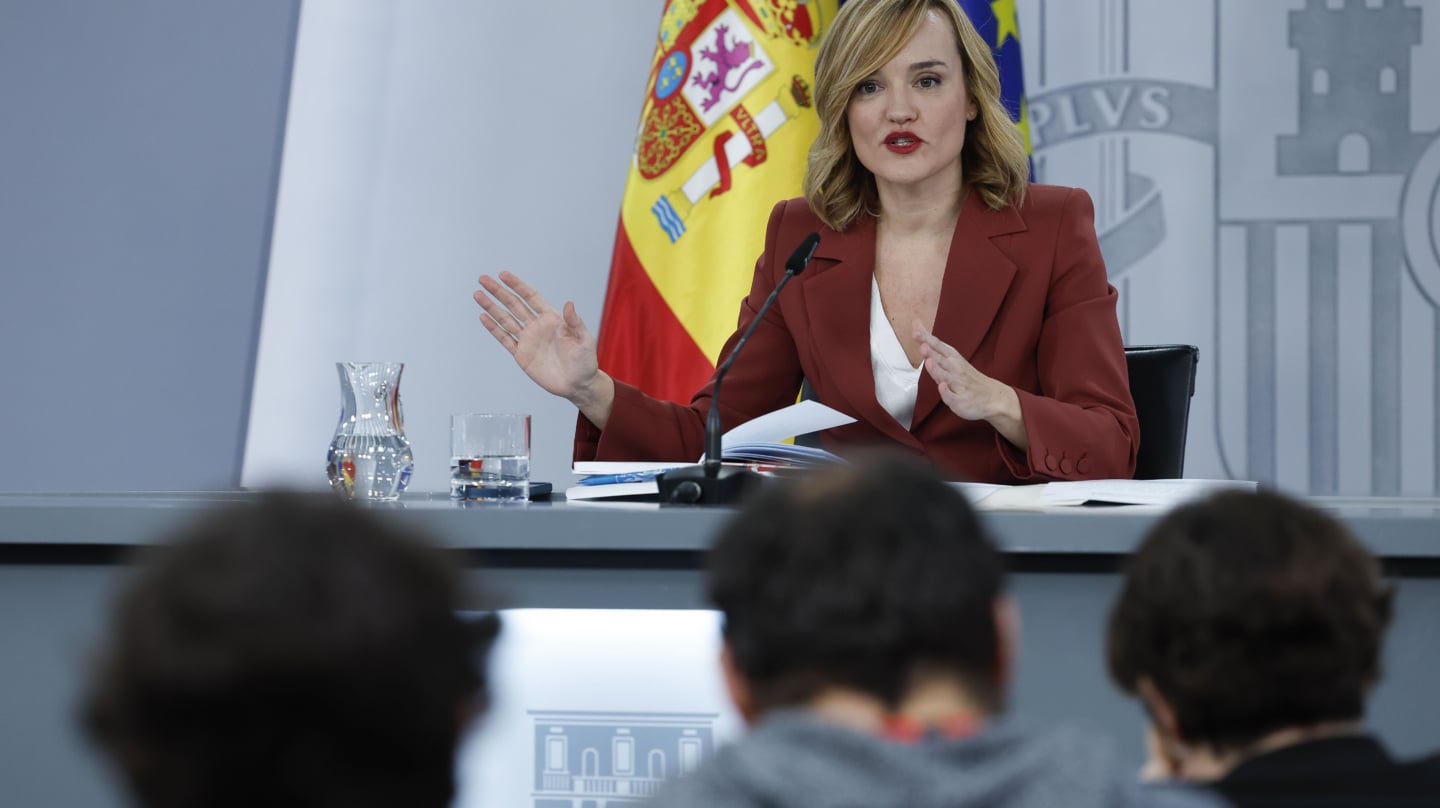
{"x":711,"y":483}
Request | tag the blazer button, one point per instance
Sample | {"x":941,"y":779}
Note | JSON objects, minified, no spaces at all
{"x":1082,"y":465}
{"x":1049,"y":462}
{"x":1066,"y":467}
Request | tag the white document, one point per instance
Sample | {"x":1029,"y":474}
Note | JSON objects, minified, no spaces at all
{"x":1165,"y":493}
{"x":647,"y":488}
{"x":1044,"y":496}
{"x":772,"y":428}
{"x":978,"y":493}
{"x":801,"y":418}
{"x":757,"y":440}
{"x":585,"y":468}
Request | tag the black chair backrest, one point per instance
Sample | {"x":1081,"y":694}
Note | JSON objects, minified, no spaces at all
{"x":1162,"y":381}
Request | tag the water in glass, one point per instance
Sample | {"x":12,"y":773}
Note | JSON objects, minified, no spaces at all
{"x":491,"y":478}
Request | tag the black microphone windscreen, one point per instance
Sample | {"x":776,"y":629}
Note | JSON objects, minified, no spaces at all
{"x":802,"y":254}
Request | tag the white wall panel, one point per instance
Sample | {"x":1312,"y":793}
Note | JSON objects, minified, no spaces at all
{"x":430,"y":142}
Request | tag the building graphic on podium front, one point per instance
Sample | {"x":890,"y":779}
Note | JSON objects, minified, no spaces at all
{"x":587,"y":759}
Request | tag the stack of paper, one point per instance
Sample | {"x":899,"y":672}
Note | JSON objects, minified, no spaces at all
{"x":605,"y":479}
{"x":758,"y":441}
{"x":1158,"y":493}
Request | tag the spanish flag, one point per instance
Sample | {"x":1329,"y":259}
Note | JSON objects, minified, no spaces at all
{"x":724,"y":132}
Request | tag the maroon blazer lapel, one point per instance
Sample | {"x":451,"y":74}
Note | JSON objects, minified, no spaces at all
{"x":837,"y":305}
{"x":977,"y":276}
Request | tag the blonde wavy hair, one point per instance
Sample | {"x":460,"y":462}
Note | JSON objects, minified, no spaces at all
{"x":865,"y":36}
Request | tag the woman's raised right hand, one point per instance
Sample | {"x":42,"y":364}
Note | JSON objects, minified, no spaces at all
{"x":553,"y":348}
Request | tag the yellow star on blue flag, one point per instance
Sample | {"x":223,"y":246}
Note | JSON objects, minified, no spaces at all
{"x":997,"y":22}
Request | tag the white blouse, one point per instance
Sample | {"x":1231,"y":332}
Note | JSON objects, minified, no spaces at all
{"x":896,"y":382}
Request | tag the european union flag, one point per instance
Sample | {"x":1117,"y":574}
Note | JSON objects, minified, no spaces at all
{"x":997,"y":23}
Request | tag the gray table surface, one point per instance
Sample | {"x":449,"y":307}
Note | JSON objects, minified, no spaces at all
{"x":1391,"y":527}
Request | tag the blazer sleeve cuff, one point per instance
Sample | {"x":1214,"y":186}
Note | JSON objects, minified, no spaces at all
{"x":1064,"y":446}
{"x":640,"y":428}
{"x":587,"y":439}
{"x":1021,"y":464}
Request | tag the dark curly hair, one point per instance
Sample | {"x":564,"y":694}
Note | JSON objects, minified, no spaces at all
{"x":289,"y":652}
{"x":1250,"y":612}
{"x":862,"y":576}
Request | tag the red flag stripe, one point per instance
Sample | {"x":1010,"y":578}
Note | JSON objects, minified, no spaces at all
{"x":641,"y":340}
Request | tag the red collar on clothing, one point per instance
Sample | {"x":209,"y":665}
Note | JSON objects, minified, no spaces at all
{"x":909,"y":730}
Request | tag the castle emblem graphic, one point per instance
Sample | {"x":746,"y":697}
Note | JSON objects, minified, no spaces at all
{"x":1325,"y":259}
{"x":1286,"y":166}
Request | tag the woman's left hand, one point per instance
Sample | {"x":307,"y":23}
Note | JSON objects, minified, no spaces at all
{"x":969,"y":393}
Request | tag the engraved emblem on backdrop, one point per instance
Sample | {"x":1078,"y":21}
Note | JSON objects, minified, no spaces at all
{"x":1266,"y":176}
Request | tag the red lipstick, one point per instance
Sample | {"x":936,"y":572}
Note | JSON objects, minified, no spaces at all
{"x":902,"y":142}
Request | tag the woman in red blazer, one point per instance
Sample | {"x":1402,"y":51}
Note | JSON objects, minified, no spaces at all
{"x":930,"y":237}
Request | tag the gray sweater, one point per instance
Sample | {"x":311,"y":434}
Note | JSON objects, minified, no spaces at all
{"x":793,"y":759}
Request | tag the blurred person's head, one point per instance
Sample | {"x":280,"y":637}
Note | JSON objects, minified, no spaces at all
{"x":293,"y":651}
{"x":1247,"y":622}
{"x":872,"y":580}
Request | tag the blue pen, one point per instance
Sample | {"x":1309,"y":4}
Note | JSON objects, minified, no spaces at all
{"x":627,"y":477}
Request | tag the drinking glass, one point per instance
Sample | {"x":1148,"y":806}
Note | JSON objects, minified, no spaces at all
{"x":490,"y":457}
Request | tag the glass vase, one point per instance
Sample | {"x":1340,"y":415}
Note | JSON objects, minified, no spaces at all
{"x":370,"y":457}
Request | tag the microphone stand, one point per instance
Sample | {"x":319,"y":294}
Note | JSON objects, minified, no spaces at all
{"x":712,"y":483}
